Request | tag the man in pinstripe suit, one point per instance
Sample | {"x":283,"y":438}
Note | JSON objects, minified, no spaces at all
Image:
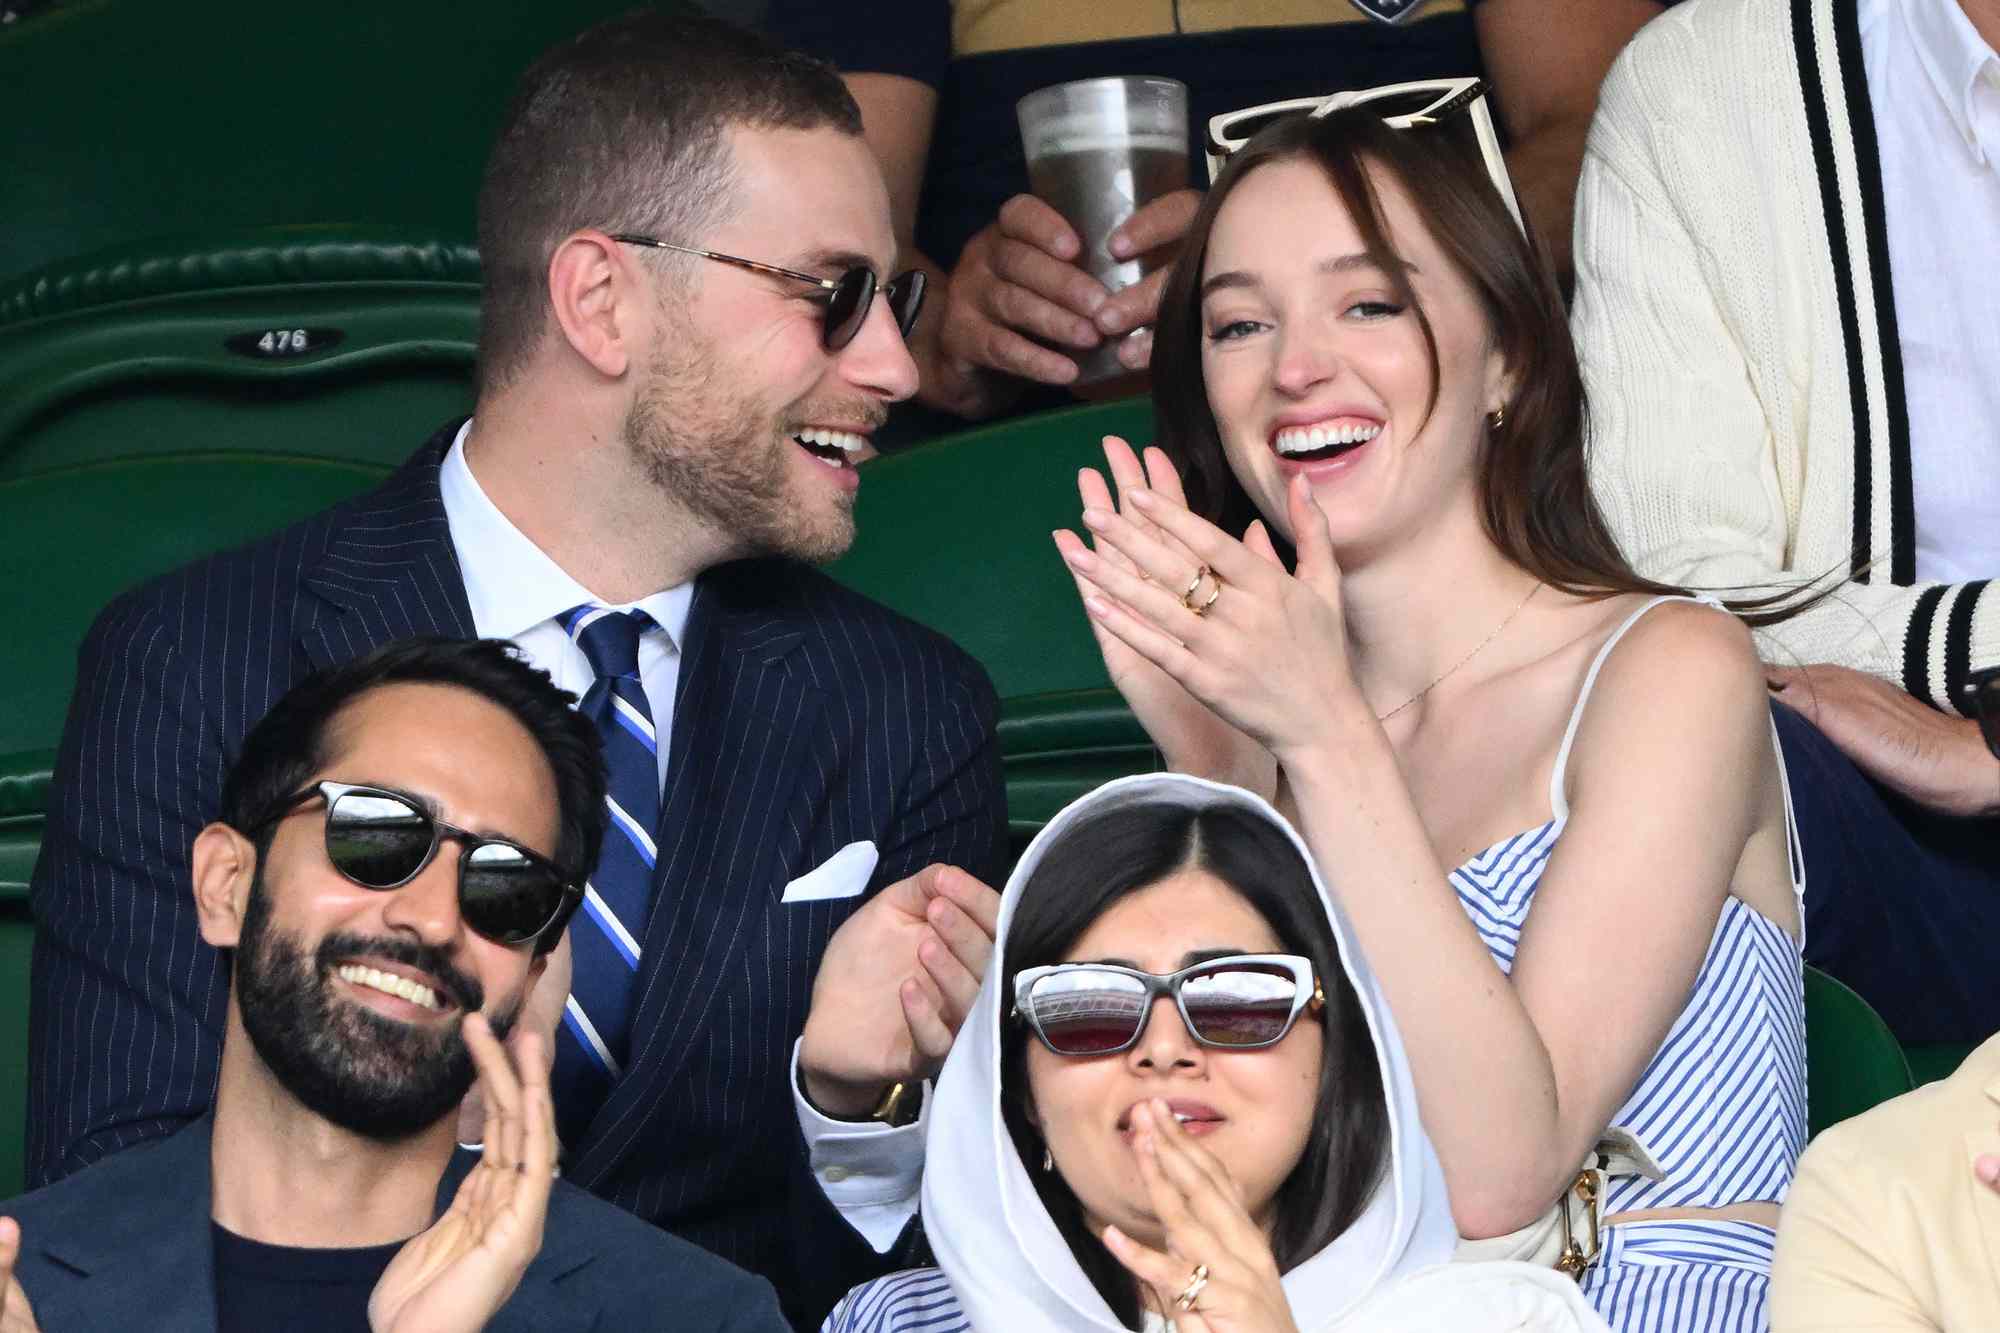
{"x":659,"y":438}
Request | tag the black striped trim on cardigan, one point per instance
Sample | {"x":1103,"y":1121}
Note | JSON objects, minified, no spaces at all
{"x":1819,"y":128}
{"x":1958,"y":643}
{"x":1917,"y":644}
{"x":1874,"y":223}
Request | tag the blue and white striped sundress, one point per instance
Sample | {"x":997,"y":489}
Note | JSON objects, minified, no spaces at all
{"x":1721,"y":1106}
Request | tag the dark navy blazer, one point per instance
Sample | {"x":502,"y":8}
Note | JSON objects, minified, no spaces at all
{"x":127,"y":1245}
{"x":806,"y":718}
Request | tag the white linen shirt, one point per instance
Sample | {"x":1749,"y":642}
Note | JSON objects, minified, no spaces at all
{"x":1935,"y":87}
{"x":869,"y":1171}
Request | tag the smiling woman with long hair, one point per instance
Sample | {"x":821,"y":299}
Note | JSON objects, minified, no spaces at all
{"x":1365,"y":577}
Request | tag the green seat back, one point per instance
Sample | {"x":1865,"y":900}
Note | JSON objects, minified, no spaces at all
{"x":1853,"y":1061}
{"x":130,"y":118}
{"x":79,"y":536}
{"x":955,"y":534}
{"x":318,"y":342}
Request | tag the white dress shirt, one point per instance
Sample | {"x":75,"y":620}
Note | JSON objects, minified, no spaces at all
{"x":869,"y":1171}
{"x":1935,"y":87}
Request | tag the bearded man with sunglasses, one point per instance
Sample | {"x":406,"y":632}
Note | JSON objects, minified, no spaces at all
{"x":401,"y":843}
{"x":690,"y":328}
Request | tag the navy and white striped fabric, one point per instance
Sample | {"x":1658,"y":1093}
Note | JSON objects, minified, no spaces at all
{"x":806,"y":718}
{"x":1721,"y":1106}
{"x":595,"y":1038}
{"x":916,"y":1300}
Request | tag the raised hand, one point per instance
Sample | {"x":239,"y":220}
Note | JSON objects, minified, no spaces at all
{"x":1216,"y":1274}
{"x":15,"y":1315}
{"x":1268,"y":654}
{"x":1189,"y":733}
{"x":540,"y":1017}
{"x":456,"y":1275}
{"x":895,"y":983}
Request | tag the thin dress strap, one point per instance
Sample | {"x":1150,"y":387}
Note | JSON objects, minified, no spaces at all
{"x":1558,"y":802}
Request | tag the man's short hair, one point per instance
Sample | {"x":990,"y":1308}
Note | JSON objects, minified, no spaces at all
{"x":290,"y":743}
{"x":622,"y":127}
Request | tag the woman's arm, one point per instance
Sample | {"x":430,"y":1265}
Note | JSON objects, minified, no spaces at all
{"x":1516,"y":1078}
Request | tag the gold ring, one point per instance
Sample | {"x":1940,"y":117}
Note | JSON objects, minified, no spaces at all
{"x":1197,"y":1281}
{"x":1200,"y":573}
{"x":1213,"y":594}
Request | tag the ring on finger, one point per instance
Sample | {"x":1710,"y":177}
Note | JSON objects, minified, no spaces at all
{"x":1202,"y":607}
{"x":1200,"y":573}
{"x":1197,"y":1283}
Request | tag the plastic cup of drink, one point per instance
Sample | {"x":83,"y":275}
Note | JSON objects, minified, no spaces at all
{"x":1099,"y":150}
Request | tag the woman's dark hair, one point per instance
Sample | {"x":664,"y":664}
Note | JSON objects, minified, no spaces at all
{"x":291,"y":742}
{"x":1103,"y":858}
{"x":1535,"y":497}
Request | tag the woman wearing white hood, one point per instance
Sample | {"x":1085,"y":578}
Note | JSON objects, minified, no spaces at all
{"x":1180,"y":1102}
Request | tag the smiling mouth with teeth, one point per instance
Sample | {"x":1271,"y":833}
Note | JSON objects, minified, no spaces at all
{"x":835,"y":448}
{"x":357,"y":974}
{"x":1312,"y":444}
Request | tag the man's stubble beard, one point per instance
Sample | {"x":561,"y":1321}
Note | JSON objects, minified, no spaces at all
{"x":702,"y":438}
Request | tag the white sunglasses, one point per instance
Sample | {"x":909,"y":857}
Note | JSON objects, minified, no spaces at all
{"x":1409,"y":105}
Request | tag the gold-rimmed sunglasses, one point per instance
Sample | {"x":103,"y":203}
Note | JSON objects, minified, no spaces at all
{"x":1401,"y":106}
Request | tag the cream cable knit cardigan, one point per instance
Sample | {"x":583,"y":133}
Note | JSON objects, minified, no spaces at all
{"x":1738,"y":335}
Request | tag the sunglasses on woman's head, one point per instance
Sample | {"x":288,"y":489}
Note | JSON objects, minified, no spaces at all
{"x":1238,"y":1003}
{"x":1401,"y":106}
{"x":846,"y":299}
{"x":1981,"y":699}
{"x":382,"y":839}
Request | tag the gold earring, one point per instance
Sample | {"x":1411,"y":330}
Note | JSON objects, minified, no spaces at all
{"x":1497,"y":417}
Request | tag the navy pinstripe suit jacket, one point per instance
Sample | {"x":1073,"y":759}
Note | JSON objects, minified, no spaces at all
{"x":806,"y":718}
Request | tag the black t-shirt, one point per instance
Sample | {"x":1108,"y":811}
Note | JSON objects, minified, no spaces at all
{"x":261,"y":1287}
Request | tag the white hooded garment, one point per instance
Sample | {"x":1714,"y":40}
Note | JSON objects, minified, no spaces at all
{"x":1011,"y":1270}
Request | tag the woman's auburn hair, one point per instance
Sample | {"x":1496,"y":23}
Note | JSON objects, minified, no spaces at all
{"x":1535,"y":496}
{"x":1116,"y":852}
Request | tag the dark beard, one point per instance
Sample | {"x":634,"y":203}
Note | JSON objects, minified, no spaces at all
{"x":371,"y":1075}
{"x":714,"y":455}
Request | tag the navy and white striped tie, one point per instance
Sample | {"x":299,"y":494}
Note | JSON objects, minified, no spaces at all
{"x":604,"y":937}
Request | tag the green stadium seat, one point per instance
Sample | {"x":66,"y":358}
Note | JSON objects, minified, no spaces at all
{"x":1853,"y":1061}
{"x":130,"y":119}
{"x":342,"y":343}
{"x":955,"y":534}
{"x":23,"y":792}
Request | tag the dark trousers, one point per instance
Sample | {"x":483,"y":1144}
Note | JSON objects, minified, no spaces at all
{"x":1902,"y":904}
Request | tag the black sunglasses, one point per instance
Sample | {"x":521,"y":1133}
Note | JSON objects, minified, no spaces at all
{"x":847,"y":298}
{"x":1980,"y":698}
{"x":382,"y":839}
{"x":1238,"y":1003}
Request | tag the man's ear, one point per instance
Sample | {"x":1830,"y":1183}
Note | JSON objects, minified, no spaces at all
{"x":601,"y":300}
{"x":225,"y":866}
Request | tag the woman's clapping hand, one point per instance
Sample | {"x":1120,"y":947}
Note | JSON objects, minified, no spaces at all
{"x":1190,"y":735}
{"x":1207,"y":1230}
{"x":1269,"y":655}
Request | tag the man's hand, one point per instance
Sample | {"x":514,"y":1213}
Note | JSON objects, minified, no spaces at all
{"x":540,"y":1016}
{"x":1938,"y":761}
{"x":897,"y":980}
{"x":1019,"y":299}
{"x":454,"y":1277}
{"x":15,"y":1316}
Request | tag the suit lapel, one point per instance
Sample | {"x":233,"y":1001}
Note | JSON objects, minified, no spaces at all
{"x":745,"y":715}
{"x":148,"y":1262}
{"x":389,"y":570}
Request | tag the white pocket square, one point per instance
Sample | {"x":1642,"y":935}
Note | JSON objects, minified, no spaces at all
{"x":841,"y":875}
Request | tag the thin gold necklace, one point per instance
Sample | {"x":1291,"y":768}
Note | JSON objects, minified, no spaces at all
{"x":1384,"y":717}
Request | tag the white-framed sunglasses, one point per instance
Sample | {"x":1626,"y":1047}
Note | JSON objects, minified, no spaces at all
{"x":1402,"y":106}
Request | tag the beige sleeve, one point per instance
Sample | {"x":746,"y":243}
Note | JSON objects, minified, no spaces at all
{"x":1837,"y":1266}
